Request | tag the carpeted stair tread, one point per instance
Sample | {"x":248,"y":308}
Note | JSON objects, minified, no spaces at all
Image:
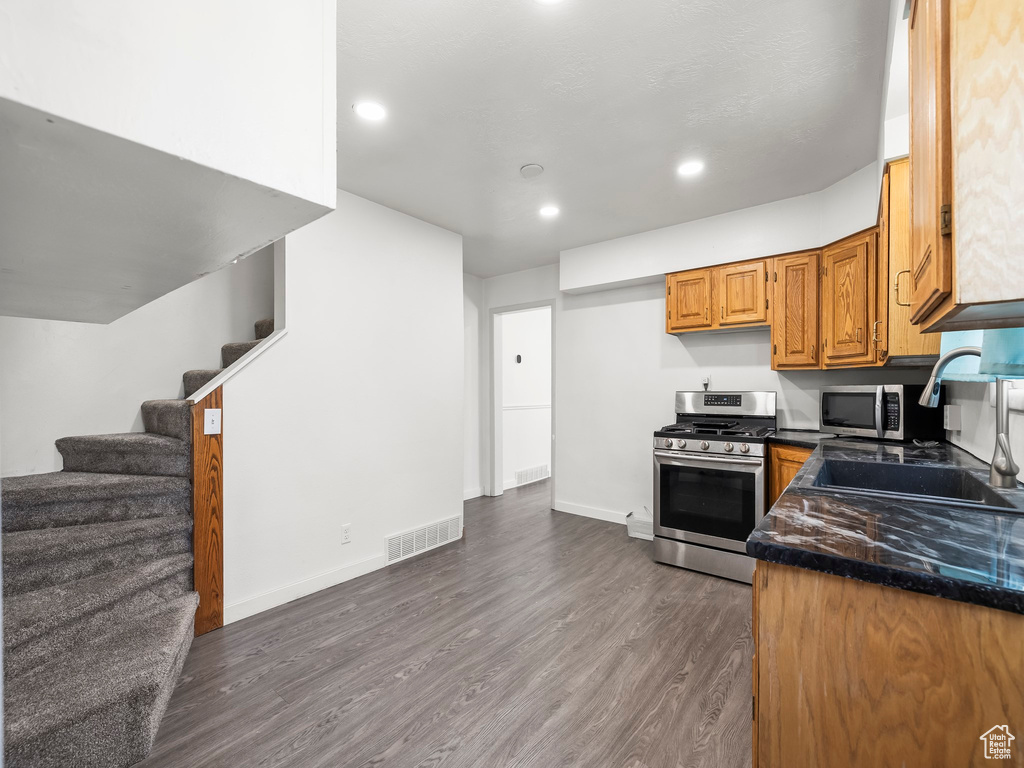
{"x":196,"y":380}
{"x":230,"y":353}
{"x":264,"y":328}
{"x":129,"y":453}
{"x":101,"y":705}
{"x":56,"y":499}
{"x":46,"y":557}
{"x":42,"y":624}
{"x":172,"y":418}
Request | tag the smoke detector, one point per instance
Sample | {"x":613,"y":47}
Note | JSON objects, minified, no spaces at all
{"x":531,"y":170}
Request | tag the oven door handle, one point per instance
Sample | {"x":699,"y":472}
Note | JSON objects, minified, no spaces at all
{"x":675,"y":457}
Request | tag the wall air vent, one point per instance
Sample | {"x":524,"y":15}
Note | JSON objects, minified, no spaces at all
{"x":533,"y":474}
{"x":399,"y":546}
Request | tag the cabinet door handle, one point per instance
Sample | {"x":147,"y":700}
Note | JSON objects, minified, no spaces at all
{"x":875,"y":338}
{"x":859,"y":334}
{"x":723,"y":312}
{"x":705,"y":314}
{"x":896,"y":288}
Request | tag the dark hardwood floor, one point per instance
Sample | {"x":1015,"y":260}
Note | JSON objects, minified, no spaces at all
{"x":540,"y":639}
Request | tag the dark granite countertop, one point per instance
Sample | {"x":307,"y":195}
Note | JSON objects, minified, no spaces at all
{"x":961,"y":553}
{"x":802,"y":438}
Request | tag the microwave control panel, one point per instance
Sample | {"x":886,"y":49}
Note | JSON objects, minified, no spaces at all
{"x":892,"y":411}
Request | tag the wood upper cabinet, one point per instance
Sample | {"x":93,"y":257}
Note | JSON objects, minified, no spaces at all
{"x":794,"y":282}
{"x":966,"y":164}
{"x":784,"y":461}
{"x":904,"y":338}
{"x":849,"y":300}
{"x":741,"y":290}
{"x":688,"y":300}
{"x":931,"y":254}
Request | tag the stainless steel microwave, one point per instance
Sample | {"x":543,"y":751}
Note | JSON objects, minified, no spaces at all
{"x":882,"y":412}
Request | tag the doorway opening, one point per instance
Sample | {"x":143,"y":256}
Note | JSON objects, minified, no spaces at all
{"x":522,"y":397}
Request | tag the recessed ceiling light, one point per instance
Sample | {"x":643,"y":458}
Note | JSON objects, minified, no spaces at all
{"x":531,"y":170}
{"x":370,"y":110}
{"x":549,"y":211}
{"x":690,"y":168}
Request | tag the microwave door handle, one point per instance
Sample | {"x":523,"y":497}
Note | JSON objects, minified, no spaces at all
{"x":879,"y":399}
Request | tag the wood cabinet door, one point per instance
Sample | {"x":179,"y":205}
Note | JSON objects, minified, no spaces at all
{"x":742,"y":293}
{"x":903,"y":337}
{"x":784,"y":461}
{"x":688,"y":300}
{"x":931,"y":253}
{"x":848,"y":300}
{"x":794,"y":283}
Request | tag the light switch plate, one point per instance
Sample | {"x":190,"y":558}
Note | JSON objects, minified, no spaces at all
{"x":211,"y":421}
{"x":951,"y":418}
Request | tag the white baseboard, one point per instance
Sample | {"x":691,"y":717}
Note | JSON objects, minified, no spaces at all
{"x":598,"y":514}
{"x":282,"y":595}
{"x":471,"y":493}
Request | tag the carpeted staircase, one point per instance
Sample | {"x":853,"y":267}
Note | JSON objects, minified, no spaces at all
{"x":98,"y":604}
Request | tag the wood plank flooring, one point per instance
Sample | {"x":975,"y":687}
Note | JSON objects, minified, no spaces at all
{"x":540,"y":639}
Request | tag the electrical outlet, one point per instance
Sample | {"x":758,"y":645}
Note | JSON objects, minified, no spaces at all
{"x":211,"y":421}
{"x":346,"y":533}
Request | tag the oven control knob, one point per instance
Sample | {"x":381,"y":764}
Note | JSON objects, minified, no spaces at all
{"x":667,"y":442}
{"x":744,"y":448}
{"x":728,"y":447}
{"x":680,"y":443}
{"x":704,"y":445}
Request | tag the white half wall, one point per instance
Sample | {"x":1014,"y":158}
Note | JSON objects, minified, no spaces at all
{"x":794,"y":224}
{"x":472,"y":317}
{"x":355,"y":417}
{"x":246,"y":87}
{"x":61,"y":378}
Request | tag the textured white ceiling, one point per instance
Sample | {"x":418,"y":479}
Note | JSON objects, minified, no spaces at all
{"x":779,"y":97}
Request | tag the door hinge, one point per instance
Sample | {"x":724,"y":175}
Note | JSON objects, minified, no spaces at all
{"x":776,"y":277}
{"x":766,"y":303}
{"x":670,"y":290}
{"x":775,"y":349}
{"x":946,"y":220}
{"x":766,"y":277}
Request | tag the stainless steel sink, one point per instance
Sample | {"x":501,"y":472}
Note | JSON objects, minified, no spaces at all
{"x":909,"y":481}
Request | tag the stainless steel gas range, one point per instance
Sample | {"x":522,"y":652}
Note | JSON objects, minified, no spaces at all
{"x":709,"y":480}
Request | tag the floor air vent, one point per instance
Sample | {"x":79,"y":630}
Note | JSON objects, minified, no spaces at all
{"x":403,"y":545}
{"x":533,"y":474}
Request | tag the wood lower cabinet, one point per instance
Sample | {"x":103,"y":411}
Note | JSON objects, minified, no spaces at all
{"x":688,"y":300}
{"x":849,"y":301}
{"x":794,"y":284}
{"x":848,"y":673}
{"x":741,"y":291}
{"x":784,"y":461}
{"x":966,"y":164}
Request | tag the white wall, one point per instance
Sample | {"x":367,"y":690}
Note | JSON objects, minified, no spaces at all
{"x":355,"y":416}
{"x":798,"y":223}
{"x":472,"y":317}
{"x":978,"y":435}
{"x":526,"y":391}
{"x":247,"y":87}
{"x":617,"y":372}
{"x":61,"y":378}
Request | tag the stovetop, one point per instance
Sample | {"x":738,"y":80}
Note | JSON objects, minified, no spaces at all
{"x":727,"y":429}
{"x":719,"y":422}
